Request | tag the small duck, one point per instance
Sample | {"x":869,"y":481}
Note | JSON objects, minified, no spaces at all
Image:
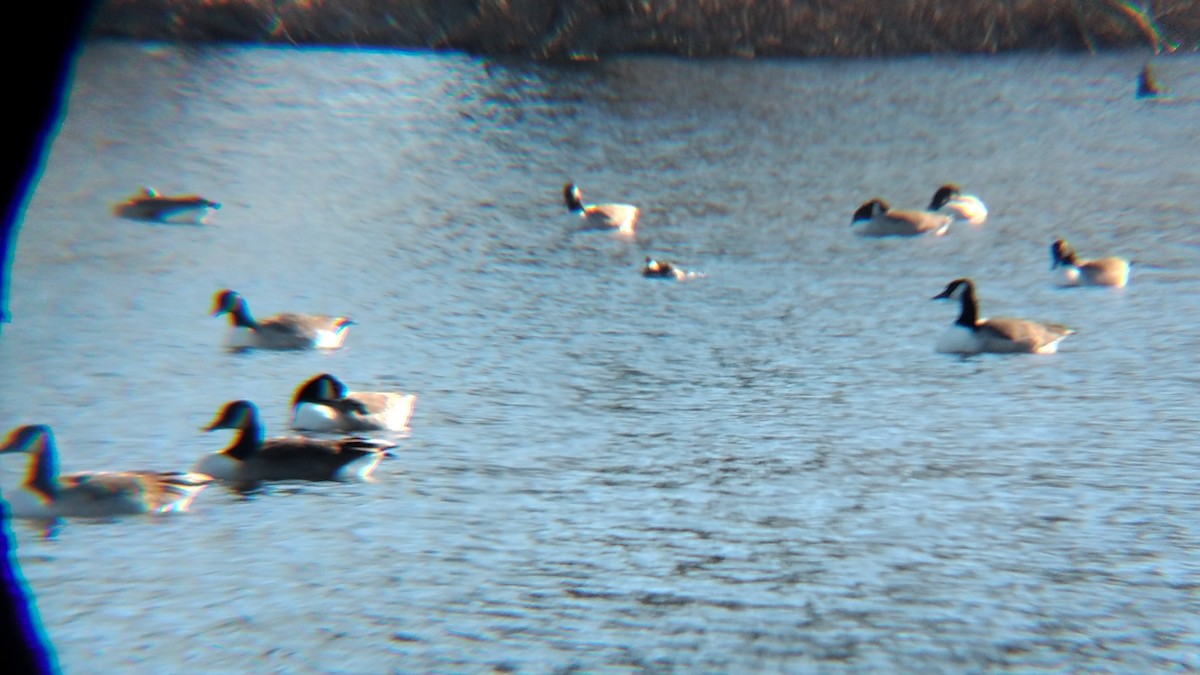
{"x":282,"y":331}
{"x":971,"y":334}
{"x":1110,"y":271}
{"x":149,"y":205}
{"x":323,"y":404}
{"x":662,"y":269}
{"x":949,"y":199}
{"x":876,"y":218}
{"x":252,"y":458}
{"x":47,"y":494}
{"x":621,"y":217}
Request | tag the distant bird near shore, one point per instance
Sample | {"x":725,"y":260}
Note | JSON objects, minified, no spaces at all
{"x":282,"y":331}
{"x":949,"y":199}
{"x":1147,"y":84}
{"x":620,"y":217}
{"x":875,"y":218}
{"x":149,"y":205}
{"x":1074,"y":271}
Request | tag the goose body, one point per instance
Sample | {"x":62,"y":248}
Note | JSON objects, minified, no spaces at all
{"x":253,"y":459}
{"x":971,"y":334}
{"x":48,"y":494}
{"x":282,"y":331}
{"x":1072,"y":271}
{"x":619,"y":217}
{"x":950,"y":200}
{"x":876,"y":218}
{"x":324,"y":404}
{"x":149,"y":205}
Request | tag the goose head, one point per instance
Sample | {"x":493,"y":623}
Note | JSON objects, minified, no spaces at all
{"x":573,"y":197}
{"x":943,"y":196}
{"x":871,"y":209}
{"x":29,"y":438}
{"x":1061,"y":254}
{"x":957,"y":290}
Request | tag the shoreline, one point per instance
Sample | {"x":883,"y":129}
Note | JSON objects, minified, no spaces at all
{"x":584,"y":30}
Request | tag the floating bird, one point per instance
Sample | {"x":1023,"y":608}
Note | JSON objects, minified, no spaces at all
{"x":1110,"y":271}
{"x":620,"y":217}
{"x":149,"y":205}
{"x":875,"y":218}
{"x":1147,"y":85}
{"x":323,"y":404}
{"x":950,"y":200}
{"x":971,"y":334}
{"x":282,"y":331}
{"x":46,"y":494}
{"x":662,"y":269}
{"x":252,"y":458}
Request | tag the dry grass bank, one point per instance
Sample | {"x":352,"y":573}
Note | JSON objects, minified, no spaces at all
{"x":566,"y":28}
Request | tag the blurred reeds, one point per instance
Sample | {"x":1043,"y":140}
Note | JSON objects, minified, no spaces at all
{"x":584,"y":28}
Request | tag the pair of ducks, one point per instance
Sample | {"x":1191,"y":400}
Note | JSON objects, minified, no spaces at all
{"x":876,"y":218}
{"x":321,"y":404}
{"x":971,"y":334}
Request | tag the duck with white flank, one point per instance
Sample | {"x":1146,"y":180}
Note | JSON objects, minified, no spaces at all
{"x":252,"y":458}
{"x":323,"y":404}
{"x":150,"y":206}
{"x":1072,"y":271}
{"x":662,"y":269}
{"x":971,"y":334}
{"x":619,"y":217}
{"x":47,"y":494}
{"x":949,"y":199}
{"x":876,"y":218}
{"x":282,"y":331}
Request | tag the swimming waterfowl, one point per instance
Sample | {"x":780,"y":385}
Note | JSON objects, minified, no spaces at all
{"x":323,"y":404}
{"x":252,"y":458}
{"x":149,"y":205}
{"x":1147,"y":85}
{"x":621,"y":217}
{"x":47,"y":494}
{"x":282,"y":331}
{"x":662,"y":269}
{"x":949,"y":199}
{"x":971,"y":334}
{"x":1110,"y":271}
{"x":876,"y":218}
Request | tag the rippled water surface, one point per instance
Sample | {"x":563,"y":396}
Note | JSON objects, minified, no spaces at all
{"x":767,"y":469}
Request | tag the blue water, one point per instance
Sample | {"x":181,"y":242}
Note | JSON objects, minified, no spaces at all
{"x":767,"y":469}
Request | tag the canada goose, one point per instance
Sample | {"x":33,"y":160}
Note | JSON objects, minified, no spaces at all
{"x":949,"y":199}
{"x":1111,"y":271}
{"x":252,"y":458}
{"x":282,"y":331}
{"x":620,"y":217}
{"x":323,"y":404}
{"x":879,"y":220}
{"x":149,"y":205}
{"x":47,"y":494}
{"x":971,"y":334}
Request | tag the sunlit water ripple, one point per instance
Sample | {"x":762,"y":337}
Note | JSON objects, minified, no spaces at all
{"x":767,"y":469}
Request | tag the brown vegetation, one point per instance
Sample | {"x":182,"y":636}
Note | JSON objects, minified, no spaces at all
{"x":583,"y":28}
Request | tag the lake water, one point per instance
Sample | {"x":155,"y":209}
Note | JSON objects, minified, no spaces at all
{"x":767,"y":469}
